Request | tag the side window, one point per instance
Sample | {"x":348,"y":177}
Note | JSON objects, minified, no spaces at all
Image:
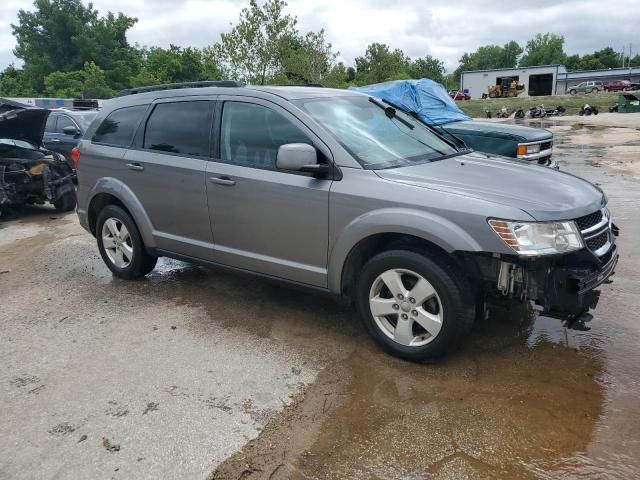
{"x":251,"y":135}
{"x":180,"y":127}
{"x":50,"y":126}
{"x":64,"y":121}
{"x":119,"y":126}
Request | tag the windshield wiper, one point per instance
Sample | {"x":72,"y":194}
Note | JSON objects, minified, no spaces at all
{"x":391,"y":113}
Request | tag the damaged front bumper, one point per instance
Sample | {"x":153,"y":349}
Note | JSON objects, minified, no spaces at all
{"x":562,"y":286}
{"x":33,"y":180}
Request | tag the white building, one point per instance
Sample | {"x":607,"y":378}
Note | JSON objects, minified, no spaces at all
{"x":542,"y":80}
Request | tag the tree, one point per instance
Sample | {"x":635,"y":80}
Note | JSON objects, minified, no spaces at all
{"x":427,"y":67}
{"x":171,"y":65}
{"x":381,"y":64}
{"x":13,"y":83}
{"x":307,"y":59}
{"x":605,"y":58}
{"x":61,"y":35}
{"x":90,"y":82}
{"x":251,"y":50}
{"x":487,"y":57}
{"x":544,"y":49}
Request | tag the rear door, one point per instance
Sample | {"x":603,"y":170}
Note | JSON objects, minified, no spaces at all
{"x":264,"y":219}
{"x":165,"y":169}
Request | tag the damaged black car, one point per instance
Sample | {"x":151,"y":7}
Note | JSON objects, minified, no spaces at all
{"x":30,"y":174}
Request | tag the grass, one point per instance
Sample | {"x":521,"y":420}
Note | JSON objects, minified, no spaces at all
{"x":602,"y":101}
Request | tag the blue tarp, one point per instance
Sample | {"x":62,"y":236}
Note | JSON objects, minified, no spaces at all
{"x":427,"y":99}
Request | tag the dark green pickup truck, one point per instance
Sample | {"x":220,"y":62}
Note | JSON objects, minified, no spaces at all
{"x":525,"y":143}
{"x":430,"y":103}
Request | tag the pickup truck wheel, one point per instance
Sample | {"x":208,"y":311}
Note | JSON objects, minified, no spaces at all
{"x":413,"y":306}
{"x":120,"y":244}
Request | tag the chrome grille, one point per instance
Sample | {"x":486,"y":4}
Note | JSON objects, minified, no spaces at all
{"x":595,"y":243}
{"x":596,"y":231}
{"x":590,"y":220}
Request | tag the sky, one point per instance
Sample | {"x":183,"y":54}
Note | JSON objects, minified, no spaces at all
{"x":442,"y":28}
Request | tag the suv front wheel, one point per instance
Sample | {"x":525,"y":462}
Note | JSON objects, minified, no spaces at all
{"x":414,"y":307}
{"x":120,"y":244}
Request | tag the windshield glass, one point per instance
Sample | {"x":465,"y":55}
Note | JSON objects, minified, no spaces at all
{"x":377,"y":137}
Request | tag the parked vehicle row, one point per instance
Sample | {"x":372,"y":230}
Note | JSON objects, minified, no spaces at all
{"x":343,"y":192}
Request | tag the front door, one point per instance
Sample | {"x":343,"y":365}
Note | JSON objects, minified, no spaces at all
{"x":264,"y":219}
{"x":166,"y":172}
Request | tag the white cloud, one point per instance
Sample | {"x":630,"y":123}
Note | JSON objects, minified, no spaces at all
{"x":439,"y":27}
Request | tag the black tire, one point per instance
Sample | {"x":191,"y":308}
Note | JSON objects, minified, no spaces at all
{"x":573,"y":91}
{"x":141,"y":263}
{"x":66,"y":202}
{"x":453,"y":290}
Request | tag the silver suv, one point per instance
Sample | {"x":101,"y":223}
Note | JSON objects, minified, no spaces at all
{"x":586,"y":87}
{"x":340,"y":192}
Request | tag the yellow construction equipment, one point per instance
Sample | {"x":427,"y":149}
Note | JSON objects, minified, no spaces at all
{"x":508,"y":87}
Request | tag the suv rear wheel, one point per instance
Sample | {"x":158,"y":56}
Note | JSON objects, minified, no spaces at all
{"x":120,"y":244}
{"x":413,"y":306}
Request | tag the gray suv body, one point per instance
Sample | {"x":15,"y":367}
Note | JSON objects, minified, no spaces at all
{"x":338,"y":191}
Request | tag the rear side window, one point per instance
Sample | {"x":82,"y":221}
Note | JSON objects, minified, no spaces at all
{"x":252,"y":134}
{"x":180,"y":127}
{"x":63,"y":122}
{"x":120,"y":126}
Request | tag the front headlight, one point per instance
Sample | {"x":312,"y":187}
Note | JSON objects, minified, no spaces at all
{"x":528,"y":149}
{"x":539,"y":238}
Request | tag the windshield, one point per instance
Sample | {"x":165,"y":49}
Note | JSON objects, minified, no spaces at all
{"x":377,"y":135}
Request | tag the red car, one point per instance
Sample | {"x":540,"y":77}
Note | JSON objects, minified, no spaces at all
{"x":619,"y":85}
{"x":458,"y":95}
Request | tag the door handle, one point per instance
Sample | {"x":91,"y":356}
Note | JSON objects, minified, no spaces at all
{"x":222,"y":181}
{"x":55,"y":140}
{"x":135,"y":166}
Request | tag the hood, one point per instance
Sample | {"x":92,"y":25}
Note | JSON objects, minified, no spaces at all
{"x":427,"y":99}
{"x":22,"y":122}
{"x":543,"y":193}
{"x":507,"y":131}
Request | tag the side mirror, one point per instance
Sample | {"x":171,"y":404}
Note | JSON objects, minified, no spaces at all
{"x":299,"y":157}
{"x":71,"y":130}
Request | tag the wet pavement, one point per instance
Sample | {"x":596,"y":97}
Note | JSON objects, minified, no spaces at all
{"x":290,"y":382}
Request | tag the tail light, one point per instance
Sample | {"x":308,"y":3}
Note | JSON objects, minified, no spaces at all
{"x":75,"y":156}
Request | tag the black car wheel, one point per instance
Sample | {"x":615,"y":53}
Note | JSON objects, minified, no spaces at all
{"x":66,"y":202}
{"x":415,"y":307}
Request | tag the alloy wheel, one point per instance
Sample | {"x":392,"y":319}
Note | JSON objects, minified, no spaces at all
{"x":117,"y":243}
{"x":406,"y":307}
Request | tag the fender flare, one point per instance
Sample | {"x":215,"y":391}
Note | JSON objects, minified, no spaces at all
{"x":428,"y":226}
{"x":118,"y":189}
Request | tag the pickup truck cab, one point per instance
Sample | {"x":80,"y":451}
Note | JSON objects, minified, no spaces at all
{"x":337,"y":191}
{"x":429,"y":102}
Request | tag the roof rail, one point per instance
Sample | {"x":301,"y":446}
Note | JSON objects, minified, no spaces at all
{"x":172,"y":86}
{"x":297,"y":85}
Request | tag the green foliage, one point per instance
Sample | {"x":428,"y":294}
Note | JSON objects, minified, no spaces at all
{"x":90,"y":82}
{"x":307,"y":59}
{"x":176,"y":64}
{"x":251,"y":50}
{"x":547,"y":49}
{"x":427,"y":67}
{"x":488,"y":57}
{"x":61,"y":35}
{"x":381,"y":64}
{"x":13,"y":83}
